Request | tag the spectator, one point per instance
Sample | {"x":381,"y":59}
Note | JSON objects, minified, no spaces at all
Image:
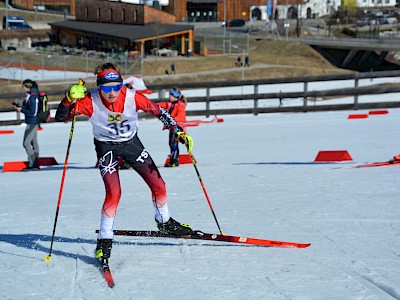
{"x":239,"y":61}
{"x":30,"y":108}
{"x":247,"y":61}
{"x":173,"y":68}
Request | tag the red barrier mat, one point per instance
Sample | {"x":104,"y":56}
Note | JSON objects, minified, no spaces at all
{"x":15,"y":166}
{"x":333,"y":155}
{"x":357,"y":116}
{"x":6,"y":131}
{"x":378,"y":112}
{"x":183,"y":159}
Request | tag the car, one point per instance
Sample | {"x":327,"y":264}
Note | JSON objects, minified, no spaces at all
{"x":363,"y":22}
{"x":235,"y":23}
{"x":15,"y":23}
{"x":390,"y":20}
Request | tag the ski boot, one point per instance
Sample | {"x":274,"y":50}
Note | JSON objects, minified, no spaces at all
{"x":175,"y":228}
{"x":172,"y":163}
{"x":33,"y":162}
{"x":395,"y":159}
{"x":103,"y":249}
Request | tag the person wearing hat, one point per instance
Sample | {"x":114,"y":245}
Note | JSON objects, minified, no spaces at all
{"x":30,"y":108}
{"x":112,"y":111}
{"x":176,"y":107}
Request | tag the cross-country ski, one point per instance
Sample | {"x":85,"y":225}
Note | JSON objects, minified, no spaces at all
{"x":199,"y":235}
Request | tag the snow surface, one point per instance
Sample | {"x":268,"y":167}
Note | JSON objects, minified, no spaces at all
{"x":262,"y":182}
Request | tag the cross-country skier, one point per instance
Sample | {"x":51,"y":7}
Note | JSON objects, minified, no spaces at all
{"x":176,"y":107}
{"x":112,"y":110}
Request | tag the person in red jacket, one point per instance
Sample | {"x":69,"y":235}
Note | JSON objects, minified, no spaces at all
{"x":112,"y":111}
{"x":176,"y":106}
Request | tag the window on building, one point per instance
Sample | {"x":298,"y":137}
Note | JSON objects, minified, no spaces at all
{"x":135,"y":16}
{"x":110,"y":14}
{"x":86,"y":13}
{"x":98,"y":13}
{"x":123,"y":15}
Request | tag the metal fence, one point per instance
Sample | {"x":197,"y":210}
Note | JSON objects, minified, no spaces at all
{"x":53,"y":63}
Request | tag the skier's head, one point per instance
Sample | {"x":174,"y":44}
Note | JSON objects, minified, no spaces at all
{"x":109,"y":81}
{"x":106,"y":73}
{"x":28,"y":84}
{"x":175,"y":93}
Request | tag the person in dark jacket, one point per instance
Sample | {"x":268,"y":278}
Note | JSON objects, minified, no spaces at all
{"x":30,"y":108}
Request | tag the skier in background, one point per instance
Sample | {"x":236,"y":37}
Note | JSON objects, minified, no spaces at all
{"x":112,"y":110}
{"x":176,"y":107}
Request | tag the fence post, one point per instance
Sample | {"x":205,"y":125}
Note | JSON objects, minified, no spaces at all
{"x":161,"y":95}
{"x":305,"y":98}
{"x":207,"y":102}
{"x":356,"y":96}
{"x":256,"y":99}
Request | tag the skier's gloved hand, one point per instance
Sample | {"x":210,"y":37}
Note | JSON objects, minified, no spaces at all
{"x":77,"y":91}
{"x":184,"y":138}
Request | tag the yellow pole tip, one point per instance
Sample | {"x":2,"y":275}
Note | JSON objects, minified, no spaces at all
{"x":223,"y":233}
{"x":47,"y":258}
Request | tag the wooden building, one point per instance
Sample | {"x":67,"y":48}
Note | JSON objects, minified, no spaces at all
{"x":104,"y":25}
{"x":61,"y":6}
{"x":218,"y":10}
{"x":183,"y":10}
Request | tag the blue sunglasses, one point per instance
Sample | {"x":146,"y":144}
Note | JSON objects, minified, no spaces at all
{"x":109,"y":88}
{"x":175,"y":93}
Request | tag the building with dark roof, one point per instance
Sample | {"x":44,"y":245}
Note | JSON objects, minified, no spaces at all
{"x":104,"y":25}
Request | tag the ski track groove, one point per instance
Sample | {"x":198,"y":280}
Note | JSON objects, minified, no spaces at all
{"x":184,"y":250}
{"x":382,"y":290}
{"x":387,"y":289}
{"x":277,"y":290}
{"x":75,"y":280}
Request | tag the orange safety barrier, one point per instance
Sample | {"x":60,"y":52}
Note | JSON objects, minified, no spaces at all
{"x":357,"y":116}
{"x":183,"y":159}
{"x":6,"y":131}
{"x":333,"y":155}
{"x":15,"y":166}
{"x":378,"y":112}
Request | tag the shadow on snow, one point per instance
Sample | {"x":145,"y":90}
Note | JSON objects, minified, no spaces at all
{"x":32,"y":242}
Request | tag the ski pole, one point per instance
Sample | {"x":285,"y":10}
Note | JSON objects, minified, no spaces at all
{"x":71,"y":133}
{"x":205,"y":191}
